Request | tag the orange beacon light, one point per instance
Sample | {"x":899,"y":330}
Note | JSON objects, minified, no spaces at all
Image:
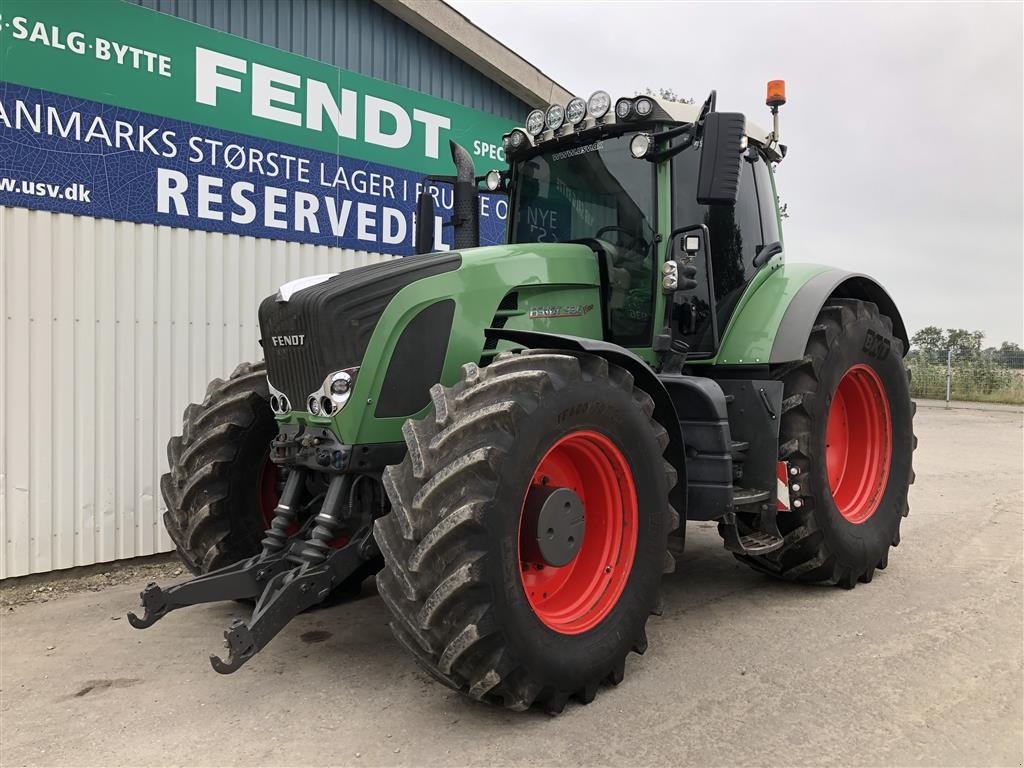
{"x":776,"y":93}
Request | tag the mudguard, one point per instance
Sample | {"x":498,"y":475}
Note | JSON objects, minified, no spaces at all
{"x":795,"y":328}
{"x":645,"y":378}
{"x":773,"y":320}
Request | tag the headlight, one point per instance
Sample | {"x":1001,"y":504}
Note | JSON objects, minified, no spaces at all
{"x":340,"y":386}
{"x":623,"y":107}
{"x":333,"y":393}
{"x":535,"y":122}
{"x":555,"y":117}
{"x":493,"y":181}
{"x":575,"y":111}
{"x":517,"y":138}
{"x":598,"y":104}
{"x":278,"y":400}
{"x":640,"y":145}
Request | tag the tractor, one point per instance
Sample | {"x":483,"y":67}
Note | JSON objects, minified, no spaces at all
{"x":511,"y":438}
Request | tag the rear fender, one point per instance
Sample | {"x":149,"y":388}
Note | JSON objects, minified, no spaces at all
{"x":795,"y":328}
{"x":773,"y":319}
{"x":643,"y":376}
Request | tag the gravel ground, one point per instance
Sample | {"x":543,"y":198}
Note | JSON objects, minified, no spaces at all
{"x":921,"y":667}
{"x":92,"y":578}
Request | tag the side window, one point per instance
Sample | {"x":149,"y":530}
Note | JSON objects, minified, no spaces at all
{"x":735,"y":237}
{"x":766,"y":201}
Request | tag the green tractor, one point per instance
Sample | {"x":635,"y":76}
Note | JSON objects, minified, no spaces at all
{"x":511,"y":438}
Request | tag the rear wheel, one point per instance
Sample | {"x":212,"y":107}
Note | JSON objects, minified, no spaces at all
{"x":845,"y":446}
{"x":527,"y":538}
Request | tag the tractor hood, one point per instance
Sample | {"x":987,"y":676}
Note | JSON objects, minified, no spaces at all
{"x":405,"y":314}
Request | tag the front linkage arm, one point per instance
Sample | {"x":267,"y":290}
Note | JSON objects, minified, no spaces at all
{"x":238,"y":581}
{"x":320,"y":570}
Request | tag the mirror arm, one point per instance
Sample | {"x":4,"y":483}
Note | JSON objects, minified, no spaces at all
{"x":765,"y":254}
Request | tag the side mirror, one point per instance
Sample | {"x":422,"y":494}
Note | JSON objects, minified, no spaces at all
{"x":718,"y":181}
{"x":424,"y":222}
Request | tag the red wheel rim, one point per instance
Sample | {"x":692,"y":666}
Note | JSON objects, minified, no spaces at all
{"x":858,"y":443}
{"x":578,"y":596}
{"x":268,"y":492}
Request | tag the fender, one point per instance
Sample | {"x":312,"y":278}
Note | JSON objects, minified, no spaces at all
{"x":664,"y":410}
{"x":795,"y":328}
{"x":773,"y":319}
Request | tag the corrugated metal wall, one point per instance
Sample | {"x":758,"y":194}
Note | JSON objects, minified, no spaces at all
{"x":357,"y":35}
{"x":109,"y":330}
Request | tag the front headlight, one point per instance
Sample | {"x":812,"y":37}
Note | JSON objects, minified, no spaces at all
{"x":333,"y":394}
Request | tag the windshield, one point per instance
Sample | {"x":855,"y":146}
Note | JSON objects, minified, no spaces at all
{"x":596,"y":190}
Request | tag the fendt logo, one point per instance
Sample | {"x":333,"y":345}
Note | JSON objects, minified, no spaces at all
{"x":295,"y":340}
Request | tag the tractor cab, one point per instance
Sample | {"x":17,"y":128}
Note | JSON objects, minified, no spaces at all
{"x":676,"y":200}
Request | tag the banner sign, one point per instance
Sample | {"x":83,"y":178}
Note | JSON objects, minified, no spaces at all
{"x":114,"y":111}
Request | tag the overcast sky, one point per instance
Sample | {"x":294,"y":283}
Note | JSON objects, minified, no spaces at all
{"x":904,"y":125}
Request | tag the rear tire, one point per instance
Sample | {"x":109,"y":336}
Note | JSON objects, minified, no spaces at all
{"x":221,"y":481}
{"x":453,"y":577}
{"x":848,"y":477}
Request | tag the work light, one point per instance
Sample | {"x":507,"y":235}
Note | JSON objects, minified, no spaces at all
{"x":598,"y":104}
{"x":643,"y":106}
{"x":554,"y":117}
{"x":623,"y":107}
{"x":493,"y":181}
{"x":640,"y":145}
{"x":535,"y":122}
{"x":575,"y":111}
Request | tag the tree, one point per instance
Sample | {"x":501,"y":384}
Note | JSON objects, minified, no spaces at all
{"x":1009,"y":354}
{"x":966,"y":345}
{"x":931,"y":342}
{"x":934,"y":343}
{"x":668,"y":94}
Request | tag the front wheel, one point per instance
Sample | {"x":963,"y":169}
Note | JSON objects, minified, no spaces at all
{"x":845,"y":447}
{"x":527,"y":540}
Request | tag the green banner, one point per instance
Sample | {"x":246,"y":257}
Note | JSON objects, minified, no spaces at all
{"x":115,"y":53}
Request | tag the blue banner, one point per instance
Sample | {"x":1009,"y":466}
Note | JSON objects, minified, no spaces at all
{"x":60,"y":153}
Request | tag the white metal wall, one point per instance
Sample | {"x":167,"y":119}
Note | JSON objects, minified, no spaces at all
{"x":109,"y":330}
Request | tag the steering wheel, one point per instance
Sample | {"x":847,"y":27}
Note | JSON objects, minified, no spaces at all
{"x":634,"y":239}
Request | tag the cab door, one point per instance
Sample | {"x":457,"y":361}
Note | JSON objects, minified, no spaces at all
{"x":731,"y":235}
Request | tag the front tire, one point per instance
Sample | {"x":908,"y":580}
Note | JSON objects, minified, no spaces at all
{"x":846,"y":444}
{"x":221,"y":487}
{"x":466,"y":591}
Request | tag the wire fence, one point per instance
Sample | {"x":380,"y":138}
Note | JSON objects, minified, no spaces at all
{"x":977,"y":379}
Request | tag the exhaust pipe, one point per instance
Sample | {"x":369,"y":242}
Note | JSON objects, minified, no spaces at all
{"x":466,"y":202}
{"x":465,"y":221}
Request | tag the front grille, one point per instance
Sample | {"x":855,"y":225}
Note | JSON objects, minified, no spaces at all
{"x":336,"y":319}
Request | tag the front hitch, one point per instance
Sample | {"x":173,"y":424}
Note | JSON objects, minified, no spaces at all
{"x":287,"y":595}
{"x":238,"y":581}
{"x":292,"y":573}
